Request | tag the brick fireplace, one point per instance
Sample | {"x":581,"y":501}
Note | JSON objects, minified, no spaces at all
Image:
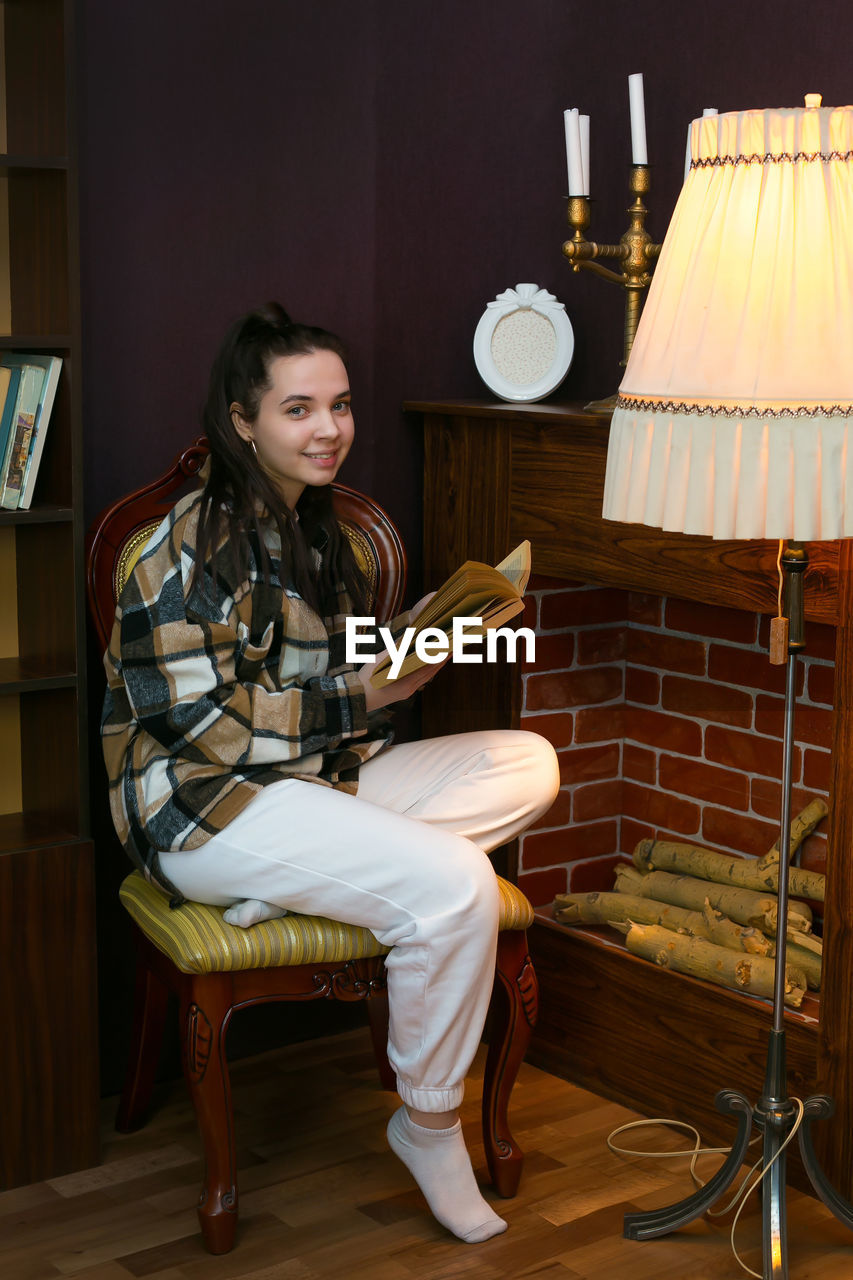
{"x":667,"y":719}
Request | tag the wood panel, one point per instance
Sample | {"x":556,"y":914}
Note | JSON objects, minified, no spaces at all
{"x":835,"y":1061}
{"x":557,"y":487}
{"x":47,"y":595}
{"x":49,"y":1099}
{"x":34,"y":37}
{"x":5,"y":274}
{"x":8,"y":594}
{"x":10,"y":737}
{"x":38,"y":227}
{"x":465,"y":468}
{"x":51,"y":767}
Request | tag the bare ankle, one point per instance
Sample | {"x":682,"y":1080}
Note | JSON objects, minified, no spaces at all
{"x":433,"y":1119}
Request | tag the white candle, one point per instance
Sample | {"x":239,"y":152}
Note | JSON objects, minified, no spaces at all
{"x":573,"y":151}
{"x":639,"y":154}
{"x":584,"y":127}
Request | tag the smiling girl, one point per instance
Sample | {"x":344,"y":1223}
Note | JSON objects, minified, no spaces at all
{"x":252,"y":768}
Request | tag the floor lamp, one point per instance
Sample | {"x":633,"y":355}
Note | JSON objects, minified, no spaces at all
{"x":732,"y":421}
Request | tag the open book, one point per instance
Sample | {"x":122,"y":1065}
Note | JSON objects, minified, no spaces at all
{"x":494,"y":595}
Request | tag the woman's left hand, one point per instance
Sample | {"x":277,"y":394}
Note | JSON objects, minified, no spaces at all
{"x":396,"y":690}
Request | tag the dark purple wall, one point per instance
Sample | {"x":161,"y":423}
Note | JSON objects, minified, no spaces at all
{"x":227,"y":157}
{"x":384,"y":169}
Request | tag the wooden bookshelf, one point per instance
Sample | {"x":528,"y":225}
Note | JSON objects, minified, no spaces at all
{"x":48,"y":1061}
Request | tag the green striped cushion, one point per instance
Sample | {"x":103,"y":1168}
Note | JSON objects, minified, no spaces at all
{"x":197,"y":939}
{"x":516,"y":911}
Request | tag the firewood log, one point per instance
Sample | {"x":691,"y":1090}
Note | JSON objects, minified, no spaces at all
{"x":807,"y":960}
{"x":802,"y":826}
{"x":720,"y":868}
{"x":760,"y":874}
{"x":745,"y":906}
{"x":604,"y":908}
{"x":702,"y":959}
{"x":808,"y":941}
{"x":801,"y":883}
{"x":718,"y":928}
{"x":805,"y":951}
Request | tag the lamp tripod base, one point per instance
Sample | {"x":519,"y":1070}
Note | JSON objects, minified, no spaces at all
{"x":776,"y":1115}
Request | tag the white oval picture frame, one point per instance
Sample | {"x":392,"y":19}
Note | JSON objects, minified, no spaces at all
{"x":524,"y":344}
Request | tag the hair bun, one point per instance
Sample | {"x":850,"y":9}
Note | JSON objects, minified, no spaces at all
{"x":275,"y":313}
{"x":265,"y":323}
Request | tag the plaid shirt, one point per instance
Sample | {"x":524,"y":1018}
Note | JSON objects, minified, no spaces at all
{"x":214,"y":694}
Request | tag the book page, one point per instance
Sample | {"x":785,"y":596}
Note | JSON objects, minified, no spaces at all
{"x":472,"y":583}
{"x":517,"y":566}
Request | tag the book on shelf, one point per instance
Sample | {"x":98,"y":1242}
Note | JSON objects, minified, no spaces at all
{"x":52,"y":366}
{"x":9,"y":381}
{"x":18,"y":444}
{"x":493,"y":595}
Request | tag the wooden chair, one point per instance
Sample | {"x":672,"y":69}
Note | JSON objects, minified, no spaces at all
{"x":215,"y":969}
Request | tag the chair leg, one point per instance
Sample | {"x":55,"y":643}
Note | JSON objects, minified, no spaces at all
{"x":515,"y":1004}
{"x":149,"y":1018}
{"x":204,"y":1016}
{"x":377,"y":1015}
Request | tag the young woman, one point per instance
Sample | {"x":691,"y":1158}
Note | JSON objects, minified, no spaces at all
{"x":251,"y":767}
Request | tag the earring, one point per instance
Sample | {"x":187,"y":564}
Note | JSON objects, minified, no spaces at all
{"x":254,"y":450}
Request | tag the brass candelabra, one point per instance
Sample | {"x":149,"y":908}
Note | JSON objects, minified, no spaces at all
{"x":635,"y":253}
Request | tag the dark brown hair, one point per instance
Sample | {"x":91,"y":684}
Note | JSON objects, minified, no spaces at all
{"x":240,"y":492}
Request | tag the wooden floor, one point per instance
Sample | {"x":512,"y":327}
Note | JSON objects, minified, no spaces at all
{"x":321,"y":1195}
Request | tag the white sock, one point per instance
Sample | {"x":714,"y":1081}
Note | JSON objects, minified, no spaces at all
{"x":438,"y":1160}
{"x":250,"y":911}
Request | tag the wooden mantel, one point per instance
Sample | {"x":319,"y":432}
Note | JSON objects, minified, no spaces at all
{"x":549,"y":461}
{"x":496,"y":473}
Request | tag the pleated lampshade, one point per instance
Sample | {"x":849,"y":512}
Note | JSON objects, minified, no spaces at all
{"x":734,"y":415}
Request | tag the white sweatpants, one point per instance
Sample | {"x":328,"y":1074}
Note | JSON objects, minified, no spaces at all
{"x":406,"y":858}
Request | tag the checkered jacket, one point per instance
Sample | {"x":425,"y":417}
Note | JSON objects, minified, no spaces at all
{"x":213,"y":694}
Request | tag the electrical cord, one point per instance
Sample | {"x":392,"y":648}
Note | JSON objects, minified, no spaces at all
{"x":743,"y":1191}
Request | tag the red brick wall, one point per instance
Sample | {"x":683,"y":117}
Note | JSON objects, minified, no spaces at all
{"x":667,"y":720}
